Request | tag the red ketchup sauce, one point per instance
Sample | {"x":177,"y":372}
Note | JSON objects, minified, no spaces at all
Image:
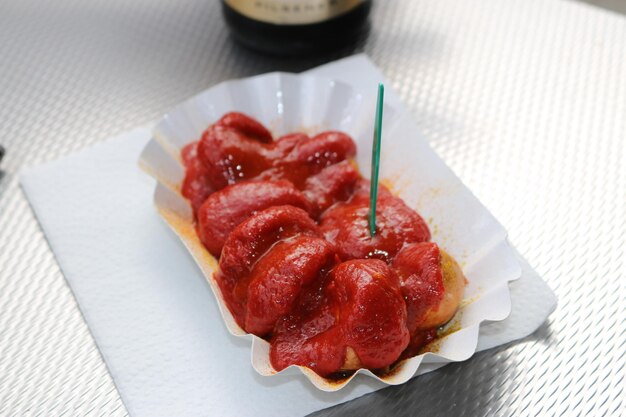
{"x":287,"y":218}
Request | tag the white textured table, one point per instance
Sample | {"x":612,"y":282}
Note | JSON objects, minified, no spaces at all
{"x":525,"y":100}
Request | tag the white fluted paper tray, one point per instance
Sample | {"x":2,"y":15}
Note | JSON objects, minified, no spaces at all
{"x":287,"y":103}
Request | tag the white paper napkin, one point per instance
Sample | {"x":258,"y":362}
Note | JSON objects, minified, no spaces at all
{"x":149,"y":308}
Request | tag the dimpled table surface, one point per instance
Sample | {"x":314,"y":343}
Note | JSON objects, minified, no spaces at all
{"x":525,"y":100}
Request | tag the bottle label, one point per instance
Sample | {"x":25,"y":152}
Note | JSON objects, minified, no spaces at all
{"x":292,"y":12}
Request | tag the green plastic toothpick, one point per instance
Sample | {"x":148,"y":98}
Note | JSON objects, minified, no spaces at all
{"x":378,"y":127}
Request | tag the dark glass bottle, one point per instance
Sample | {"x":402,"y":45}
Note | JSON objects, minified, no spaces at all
{"x":296,"y":27}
